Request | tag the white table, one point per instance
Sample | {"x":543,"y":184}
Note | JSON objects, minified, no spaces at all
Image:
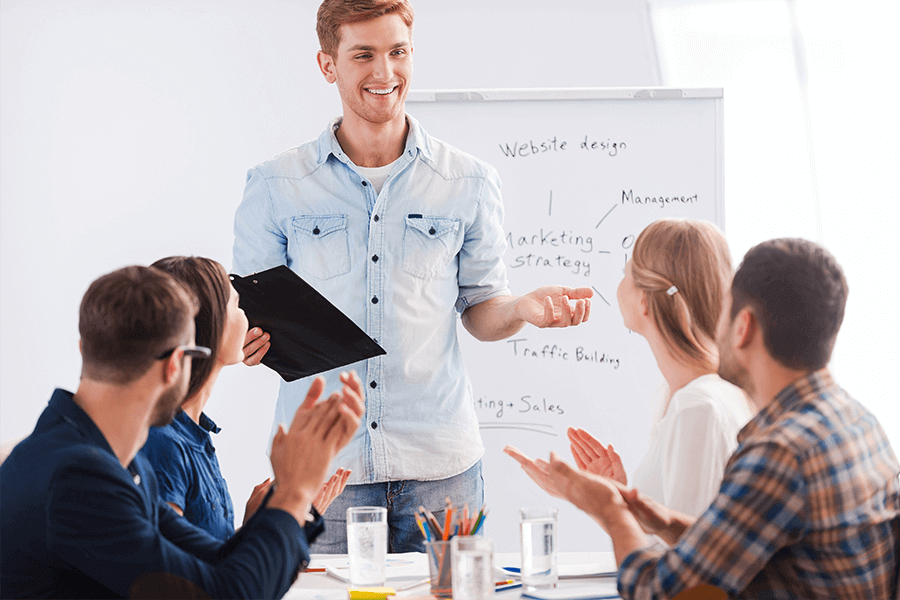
{"x":319,"y":586}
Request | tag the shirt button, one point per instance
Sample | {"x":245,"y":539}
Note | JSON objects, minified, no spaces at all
{"x":364,"y":184}
{"x":376,"y":218}
{"x":316,"y":231}
{"x":374,"y":425}
{"x":373,"y":385}
{"x":374,"y":299}
{"x":431,"y":231}
{"x":375,"y":258}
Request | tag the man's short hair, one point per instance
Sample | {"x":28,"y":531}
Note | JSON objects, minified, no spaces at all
{"x":128,"y":318}
{"x":334,"y":13}
{"x":798,"y":292}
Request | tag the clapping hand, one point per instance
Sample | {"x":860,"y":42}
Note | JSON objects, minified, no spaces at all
{"x":591,"y":456}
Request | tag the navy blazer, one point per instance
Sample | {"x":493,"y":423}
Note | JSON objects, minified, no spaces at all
{"x":75,"y":524}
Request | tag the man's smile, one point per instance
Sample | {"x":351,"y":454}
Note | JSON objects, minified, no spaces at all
{"x":381,"y":91}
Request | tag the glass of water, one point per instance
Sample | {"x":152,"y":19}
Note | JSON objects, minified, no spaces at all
{"x":367,"y":544}
{"x":539,"y":554}
{"x":473,"y":568}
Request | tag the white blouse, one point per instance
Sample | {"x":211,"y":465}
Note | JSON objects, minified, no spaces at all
{"x":691,"y":441}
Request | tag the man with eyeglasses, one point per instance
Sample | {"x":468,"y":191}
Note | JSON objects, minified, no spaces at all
{"x":80,"y":515}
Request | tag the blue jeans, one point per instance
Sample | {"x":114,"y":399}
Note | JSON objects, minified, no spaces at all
{"x":402,"y":499}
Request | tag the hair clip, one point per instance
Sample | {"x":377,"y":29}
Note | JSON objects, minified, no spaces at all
{"x":671,"y":291}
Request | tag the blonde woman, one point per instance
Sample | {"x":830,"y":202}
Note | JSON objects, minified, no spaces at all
{"x":672,"y":295}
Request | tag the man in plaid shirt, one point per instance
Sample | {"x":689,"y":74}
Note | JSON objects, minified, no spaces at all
{"x":810,"y":503}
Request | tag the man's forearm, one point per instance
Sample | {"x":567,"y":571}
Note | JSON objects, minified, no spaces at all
{"x":493,"y":319}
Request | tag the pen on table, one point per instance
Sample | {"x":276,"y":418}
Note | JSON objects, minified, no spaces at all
{"x":505,"y":581}
{"x":317,"y":570}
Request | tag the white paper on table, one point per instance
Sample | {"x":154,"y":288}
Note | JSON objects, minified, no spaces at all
{"x":403,"y":570}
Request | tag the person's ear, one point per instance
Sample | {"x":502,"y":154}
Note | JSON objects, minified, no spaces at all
{"x":326,"y":65}
{"x":747,"y":328}
{"x":80,"y":349}
{"x":644,"y":303}
{"x":173,"y":366}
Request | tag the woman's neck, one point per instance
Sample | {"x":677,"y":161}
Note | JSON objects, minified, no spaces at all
{"x":676,"y":372}
{"x":193,"y":406}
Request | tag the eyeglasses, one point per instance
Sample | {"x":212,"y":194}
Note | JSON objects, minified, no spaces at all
{"x":191,"y":351}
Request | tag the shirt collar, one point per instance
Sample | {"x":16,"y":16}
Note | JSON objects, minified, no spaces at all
{"x":63,"y":403}
{"x":417,"y":141}
{"x":196,"y":434}
{"x":807,"y":388}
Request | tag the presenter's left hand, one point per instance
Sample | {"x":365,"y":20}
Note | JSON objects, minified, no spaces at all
{"x":555,"y":306}
{"x":256,"y":344}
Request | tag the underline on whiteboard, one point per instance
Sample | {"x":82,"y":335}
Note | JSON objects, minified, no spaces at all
{"x":521,"y":428}
{"x":601,"y":295}
{"x":606,"y":215}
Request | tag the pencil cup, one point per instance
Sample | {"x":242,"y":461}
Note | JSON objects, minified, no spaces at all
{"x":367,"y":545}
{"x":539,"y":555}
{"x":473,"y":568}
{"x":440,"y":568}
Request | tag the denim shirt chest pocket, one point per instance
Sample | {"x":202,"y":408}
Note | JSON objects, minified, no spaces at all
{"x":428,"y":244}
{"x":323,"y":245}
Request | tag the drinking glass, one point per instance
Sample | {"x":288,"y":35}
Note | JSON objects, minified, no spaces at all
{"x":473,"y":568}
{"x":367,"y":545}
{"x":539,"y":553}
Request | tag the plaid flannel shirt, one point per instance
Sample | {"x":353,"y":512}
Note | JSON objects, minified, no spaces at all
{"x":809,"y":508}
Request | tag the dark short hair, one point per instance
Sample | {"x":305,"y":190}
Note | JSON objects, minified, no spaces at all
{"x":208,"y":281}
{"x":334,"y":13}
{"x":129,"y":317}
{"x":798,"y":292}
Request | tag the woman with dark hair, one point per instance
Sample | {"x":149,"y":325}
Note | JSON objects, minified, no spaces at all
{"x":182,"y":453}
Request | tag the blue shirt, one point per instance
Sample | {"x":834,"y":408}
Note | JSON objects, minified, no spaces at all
{"x":187,"y":471}
{"x":76,"y":524}
{"x":403,"y":264}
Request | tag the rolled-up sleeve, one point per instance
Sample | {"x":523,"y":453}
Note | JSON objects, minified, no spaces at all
{"x":482,"y":273}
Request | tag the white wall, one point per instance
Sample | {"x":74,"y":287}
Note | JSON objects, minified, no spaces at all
{"x":128,"y":128}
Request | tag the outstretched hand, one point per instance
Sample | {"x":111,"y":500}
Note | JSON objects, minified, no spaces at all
{"x":555,"y":306}
{"x":591,"y":456}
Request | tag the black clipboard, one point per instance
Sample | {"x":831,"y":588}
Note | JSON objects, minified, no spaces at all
{"x":308,"y":333}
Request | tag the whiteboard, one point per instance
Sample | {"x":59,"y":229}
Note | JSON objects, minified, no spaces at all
{"x":583,"y":171}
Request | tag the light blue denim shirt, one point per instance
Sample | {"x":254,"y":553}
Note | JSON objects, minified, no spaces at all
{"x":403,"y":264}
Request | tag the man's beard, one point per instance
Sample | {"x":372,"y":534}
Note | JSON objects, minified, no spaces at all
{"x":168,"y":404}
{"x":731,"y":370}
